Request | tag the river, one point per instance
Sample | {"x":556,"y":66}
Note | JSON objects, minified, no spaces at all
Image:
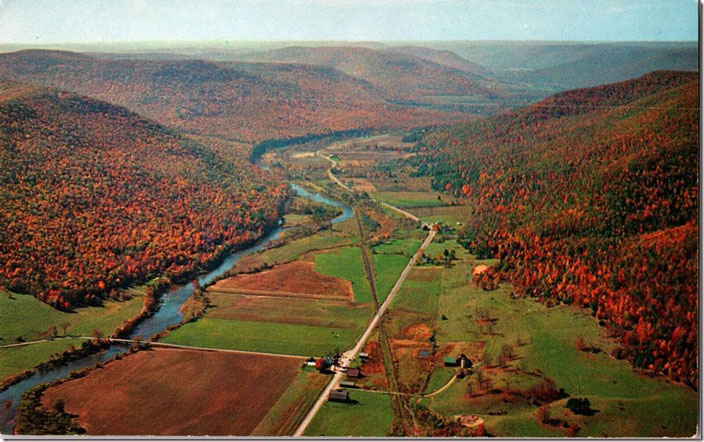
{"x":167,"y":314}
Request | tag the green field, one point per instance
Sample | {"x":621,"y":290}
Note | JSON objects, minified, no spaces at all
{"x":388,"y":268}
{"x":318,"y":312}
{"x":346,"y":263}
{"x":370,"y":416}
{"x":25,"y":316}
{"x":15,"y":360}
{"x":409,"y":199}
{"x":450,"y":215}
{"x":544,"y":340}
{"x":420,"y":291}
{"x":398,"y":246}
{"x":267,"y":337}
{"x":294,"y":249}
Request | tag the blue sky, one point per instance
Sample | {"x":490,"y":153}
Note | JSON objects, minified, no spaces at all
{"x":73,"y":21}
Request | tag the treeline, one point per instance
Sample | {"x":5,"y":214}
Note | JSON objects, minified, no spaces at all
{"x":278,"y":143}
{"x":94,"y":198}
{"x":590,"y":198}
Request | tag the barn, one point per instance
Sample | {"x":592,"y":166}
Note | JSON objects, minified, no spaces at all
{"x":354,"y":373}
{"x":339,"y":396}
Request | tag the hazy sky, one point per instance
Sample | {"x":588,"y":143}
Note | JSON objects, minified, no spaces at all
{"x":55,"y":21}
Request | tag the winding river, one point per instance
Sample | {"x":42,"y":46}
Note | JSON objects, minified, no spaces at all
{"x":168,"y":314}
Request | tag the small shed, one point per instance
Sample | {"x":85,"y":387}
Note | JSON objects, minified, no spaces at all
{"x":449,"y":361}
{"x":339,"y":395}
{"x":353,"y":373}
{"x":423,"y":354}
{"x":363,"y":355}
{"x":348,"y":384}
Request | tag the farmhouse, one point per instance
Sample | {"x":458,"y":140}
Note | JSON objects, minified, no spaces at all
{"x":339,"y":396}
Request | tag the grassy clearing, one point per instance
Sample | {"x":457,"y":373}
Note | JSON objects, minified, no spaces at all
{"x":371,"y":416}
{"x":544,"y":342}
{"x":291,"y":408}
{"x":398,"y":247}
{"x":450,"y":215}
{"x":17,"y":359}
{"x":405,"y":199}
{"x":25,"y":316}
{"x":439,"y":378}
{"x":346,"y":263}
{"x":267,"y":337}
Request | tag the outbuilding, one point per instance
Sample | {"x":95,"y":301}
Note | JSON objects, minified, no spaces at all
{"x":449,"y":361}
{"x":339,"y":395}
{"x":354,"y":373}
{"x":423,"y":354}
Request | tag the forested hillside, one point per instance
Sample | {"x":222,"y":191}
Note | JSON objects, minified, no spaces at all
{"x":238,"y":101}
{"x":590,"y":197}
{"x":399,"y":72}
{"x":95,"y":197}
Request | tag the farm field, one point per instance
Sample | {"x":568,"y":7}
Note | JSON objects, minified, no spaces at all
{"x":26,"y":317}
{"x":267,"y":337}
{"x":345,"y":263}
{"x":293,"y":250}
{"x":288,"y":412}
{"x":321,"y":313}
{"x":450,"y":215}
{"x":544,"y":342}
{"x":15,"y":360}
{"x":297,"y":277}
{"x":369,"y":414}
{"x":408,"y":200}
{"x":177,"y":392}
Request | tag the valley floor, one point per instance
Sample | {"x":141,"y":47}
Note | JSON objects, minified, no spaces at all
{"x":313,"y":296}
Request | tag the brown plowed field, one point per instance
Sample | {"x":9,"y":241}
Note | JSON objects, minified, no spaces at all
{"x":177,"y":392}
{"x":290,"y":278}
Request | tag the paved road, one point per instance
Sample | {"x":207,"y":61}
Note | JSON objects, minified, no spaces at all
{"x":403,"y":212}
{"x":349,"y":355}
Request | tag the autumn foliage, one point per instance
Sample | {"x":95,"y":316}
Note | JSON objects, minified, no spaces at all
{"x":249,"y":102}
{"x":590,"y":197}
{"x":94,"y":198}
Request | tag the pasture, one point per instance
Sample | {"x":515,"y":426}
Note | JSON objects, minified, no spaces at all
{"x":26,"y":317}
{"x":267,"y":337}
{"x":543,"y":341}
{"x":368,"y":415}
{"x":177,"y":392}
